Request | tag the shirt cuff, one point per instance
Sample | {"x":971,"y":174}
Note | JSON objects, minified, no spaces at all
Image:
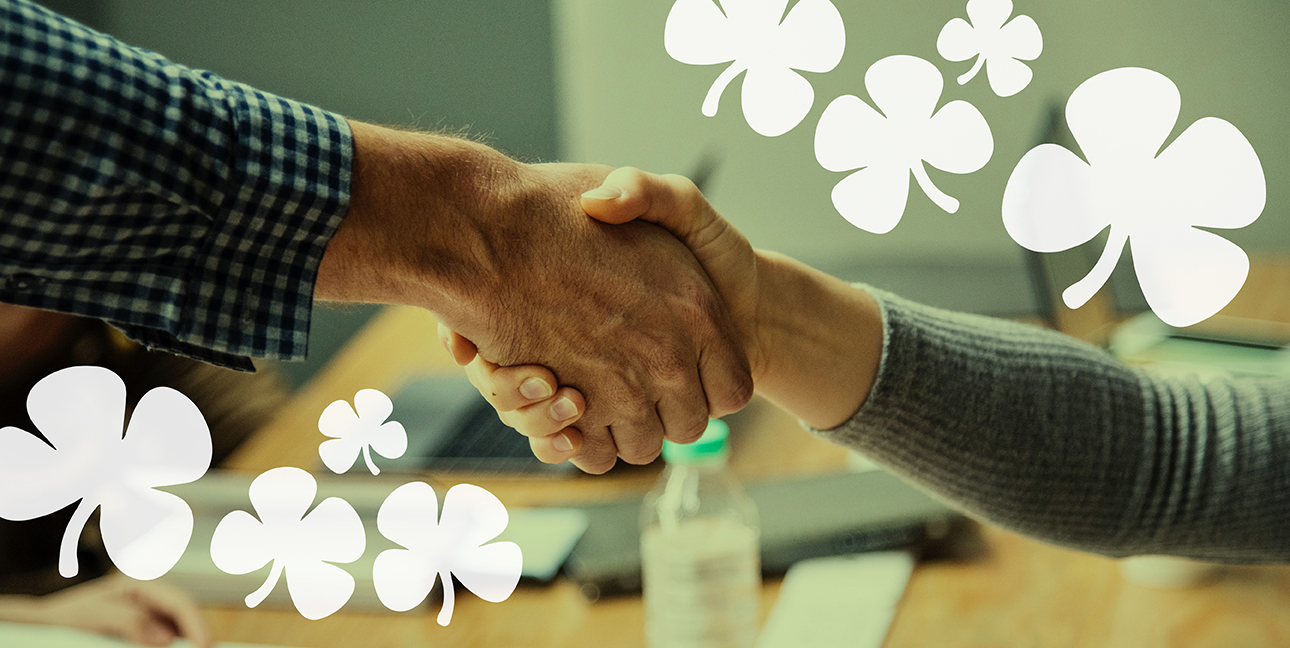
{"x":251,"y":287}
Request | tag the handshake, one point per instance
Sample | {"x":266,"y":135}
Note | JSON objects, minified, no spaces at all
{"x":660,"y":343}
{"x":600,"y":311}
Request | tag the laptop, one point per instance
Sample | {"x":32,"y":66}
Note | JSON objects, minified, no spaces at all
{"x":1218,"y":346}
{"x":452,"y":428}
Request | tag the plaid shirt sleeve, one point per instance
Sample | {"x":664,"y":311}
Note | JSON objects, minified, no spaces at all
{"x":189,"y":211}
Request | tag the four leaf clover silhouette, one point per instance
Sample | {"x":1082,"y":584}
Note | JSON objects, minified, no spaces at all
{"x":1154,"y":199}
{"x":995,"y":45}
{"x":888,"y":146}
{"x":301,"y":542}
{"x":750,"y":33}
{"x":81,"y":412}
{"x":363,"y":432}
{"x":444,"y":546}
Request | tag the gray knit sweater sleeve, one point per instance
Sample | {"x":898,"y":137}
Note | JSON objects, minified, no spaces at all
{"x":1054,"y":438}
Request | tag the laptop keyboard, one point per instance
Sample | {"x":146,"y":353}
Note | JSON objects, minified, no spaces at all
{"x":482,"y":443}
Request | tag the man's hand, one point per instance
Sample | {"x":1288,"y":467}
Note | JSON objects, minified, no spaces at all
{"x":503,"y":254}
{"x":627,"y":194}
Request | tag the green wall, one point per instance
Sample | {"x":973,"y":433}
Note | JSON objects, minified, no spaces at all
{"x":625,"y":101}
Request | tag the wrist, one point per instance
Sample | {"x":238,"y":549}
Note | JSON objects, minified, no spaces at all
{"x":414,"y":231}
{"x":820,"y":339}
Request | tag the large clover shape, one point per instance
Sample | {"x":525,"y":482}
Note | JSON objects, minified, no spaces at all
{"x":443,"y":547}
{"x":888,"y":146}
{"x":999,"y":47}
{"x":1153,"y":199}
{"x":299,"y":542}
{"x":81,"y":412}
{"x":750,"y":33}
{"x":360,"y":433}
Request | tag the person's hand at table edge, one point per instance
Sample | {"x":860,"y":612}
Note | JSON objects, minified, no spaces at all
{"x":503,"y":253}
{"x":146,"y":613}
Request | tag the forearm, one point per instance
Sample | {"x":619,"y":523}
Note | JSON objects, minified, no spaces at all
{"x":1054,"y":438}
{"x":821,"y":340}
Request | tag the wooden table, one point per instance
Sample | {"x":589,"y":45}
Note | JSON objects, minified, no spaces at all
{"x":1019,"y":592}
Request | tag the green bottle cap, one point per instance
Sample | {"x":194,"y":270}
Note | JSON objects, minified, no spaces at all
{"x":711,"y":445}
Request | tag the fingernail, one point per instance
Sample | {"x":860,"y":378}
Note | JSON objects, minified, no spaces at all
{"x":563,"y":410}
{"x":562,"y":443}
{"x":536,"y":389}
{"x":604,"y":193}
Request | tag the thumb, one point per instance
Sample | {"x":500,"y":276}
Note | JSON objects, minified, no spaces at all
{"x":670,"y":201}
{"x":675,"y":204}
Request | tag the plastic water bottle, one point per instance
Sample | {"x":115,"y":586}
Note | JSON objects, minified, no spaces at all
{"x":700,"y":555}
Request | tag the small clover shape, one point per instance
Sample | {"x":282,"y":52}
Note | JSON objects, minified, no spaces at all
{"x":443,"y":547}
{"x":888,"y":146}
{"x":302,"y":543}
{"x":1152,"y":197}
{"x":81,"y":412}
{"x":750,"y":35}
{"x":999,"y":47}
{"x":363,"y":432}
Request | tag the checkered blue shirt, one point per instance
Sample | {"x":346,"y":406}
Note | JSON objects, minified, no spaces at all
{"x":187,"y":210}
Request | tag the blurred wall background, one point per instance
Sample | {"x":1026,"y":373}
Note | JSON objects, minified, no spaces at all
{"x":625,"y":101}
{"x":589,"y":80}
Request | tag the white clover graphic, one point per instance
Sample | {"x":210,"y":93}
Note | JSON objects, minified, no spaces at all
{"x":1156,"y":199}
{"x":447,"y":546}
{"x":301,"y":542}
{"x":363,"y":432}
{"x":888,"y":146}
{"x":81,"y":411}
{"x":750,"y":33}
{"x":999,"y":47}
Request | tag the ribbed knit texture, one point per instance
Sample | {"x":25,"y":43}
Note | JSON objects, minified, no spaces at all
{"x":1045,"y":435}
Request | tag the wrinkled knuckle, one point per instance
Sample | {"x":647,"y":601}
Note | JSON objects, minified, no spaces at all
{"x":736,"y":396}
{"x":597,"y":467}
{"x":642,"y":456}
{"x":668,"y":364}
{"x":689,"y":430}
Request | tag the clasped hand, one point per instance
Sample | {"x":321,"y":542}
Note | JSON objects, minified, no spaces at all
{"x":563,"y":424}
